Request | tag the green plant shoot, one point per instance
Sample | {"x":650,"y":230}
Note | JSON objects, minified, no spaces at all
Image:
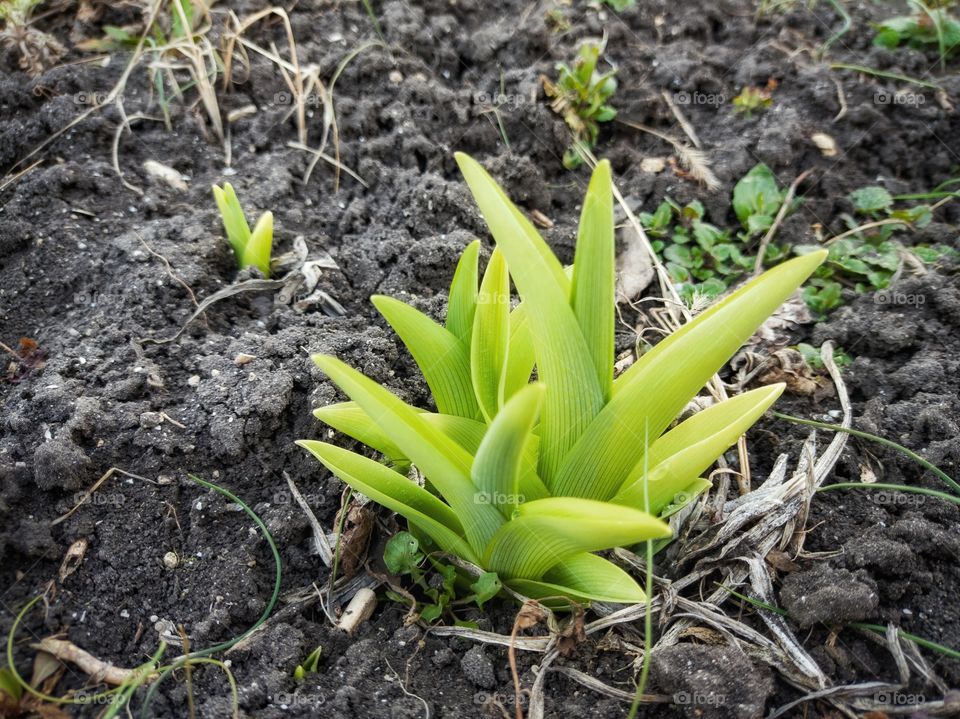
{"x":529,"y":479}
{"x":252,"y":249}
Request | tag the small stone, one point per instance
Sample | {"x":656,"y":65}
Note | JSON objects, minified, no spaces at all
{"x":149,"y":420}
{"x":243,"y":358}
{"x":478,"y":668}
{"x":396,"y":77}
{"x":194,"y":380}
{"x":171,"y":560}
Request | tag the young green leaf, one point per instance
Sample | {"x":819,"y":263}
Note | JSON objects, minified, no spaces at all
{"x":347,"y":417}
{"x":234,"y":222}
{"x":442,"y":358}
{"x":397,"y":493}
{"x":594,"y":275}
{"x":442,"y":460}
{"x":463,"y":294}
{"x":596,"y":578}
{"x":498,"y":464}
{"x":681,"y":455}
{"x":756,"y":198}
{"x":652,"y":392}
{"x":491,"y":337}
{"x":547,"y":531}
{"x":260,"y":244}
{"x":402,"y":554}
{"x":564,"y":362}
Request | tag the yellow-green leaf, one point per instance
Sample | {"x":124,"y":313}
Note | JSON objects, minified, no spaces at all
{"x":491,"y":336}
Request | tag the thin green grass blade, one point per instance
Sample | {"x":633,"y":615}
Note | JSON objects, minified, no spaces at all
{"x":234,"y":222}
{"x":594,"y":275}
{"x":681,"y":455}
{"x":498,"y":463}
{"x":395,"y":492}
{"x":260,"y":245}
{"x":462,"y":304}
{"x":445,"y":463}
{"x":442,"y":358}
{"x":491,"y":336}
{"x":564,"y":363}
{"x":595,"y":577}
{"x":654,"y":390}
{"x":548,"y":531}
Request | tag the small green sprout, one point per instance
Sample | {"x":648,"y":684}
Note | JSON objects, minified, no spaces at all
{"x":309,"y":665}
{"x":580,"y":96}
{"x":525,"y":479}
{"x":252,"y":249}
{"x":619,"y":5}
{"x":811,"y":355}
{"x":754,"y":99}
{"x":931,"y":24}
{"x":757,"y":199}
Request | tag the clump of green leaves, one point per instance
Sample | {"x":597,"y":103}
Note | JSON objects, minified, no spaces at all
{"x":930,"y":25}
{"x":528,"y":479}
{"x":252,"y":249}
{"x":404,"y":558}
{"x":757,"y":199}
{"x":754,"y":99}
{"x":867,"y":259}
{"x":702,"y":259}
{"x":581,"y":95}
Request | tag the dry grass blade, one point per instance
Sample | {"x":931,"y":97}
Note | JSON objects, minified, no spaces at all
{"x":692,"y":159}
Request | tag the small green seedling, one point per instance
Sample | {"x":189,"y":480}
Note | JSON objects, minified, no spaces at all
{"x":438,"y":583}
{"x":811,"y":355}
{"x":619,"y":5}
{"x":580,"y":96}
{"x":309,"y":665}
{"x":702,"y":259}
{"x":252,"y":249}
{"x":525,"y":479}
{"x":757,"y":199}
{"x":928,"y":26}
{"x":867,"y":259}
{"x":754,"y":99}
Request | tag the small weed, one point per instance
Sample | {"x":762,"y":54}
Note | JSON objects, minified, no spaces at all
{"x":580,"y":96}
{"x":754,"y":99}
{"x":309,"y":665}
{"x":811,"y":355}
{"x":438,"y":584}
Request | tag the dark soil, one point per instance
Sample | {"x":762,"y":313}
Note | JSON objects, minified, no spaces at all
{"x":76,"y":276}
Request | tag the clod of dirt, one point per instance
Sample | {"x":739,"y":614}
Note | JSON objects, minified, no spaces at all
{"x":478,"y":668}
{"x":711,"y":682}
{"x":60,"y":463}
{"x":830,"y":596}
{"x":878,"y":553}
